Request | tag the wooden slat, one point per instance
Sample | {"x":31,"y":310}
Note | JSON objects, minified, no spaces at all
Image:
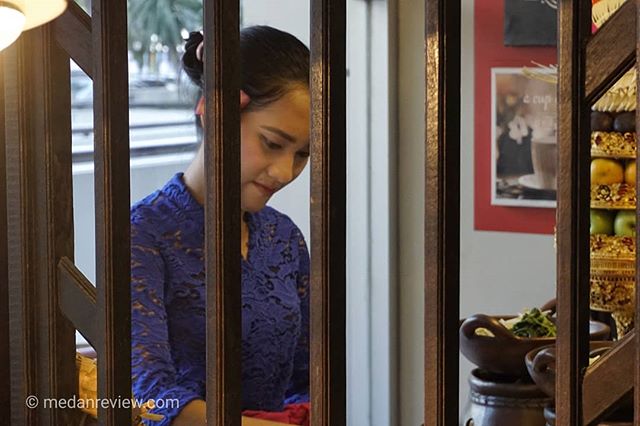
{"x":636,"y":396}
{"x":222,"y":230}
{"x":77,"y":299}
{"x":442,"y":212}
{"x":611,"y":52}
{"x":40,"y":224}
{"x":54,"y":220}
{"x":22,"y":343}
{"x":605,"y":383}
{"x":111,"y":124}
{"x":5,"y":382}
{"x":73,"y":32}
{"x":572,"y":211}
{"x":328,"y":212}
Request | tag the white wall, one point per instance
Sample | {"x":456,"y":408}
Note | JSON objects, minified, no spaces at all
{"x":499,"y":272}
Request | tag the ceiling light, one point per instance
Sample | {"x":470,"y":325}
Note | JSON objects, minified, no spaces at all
{"x":21,"y":15}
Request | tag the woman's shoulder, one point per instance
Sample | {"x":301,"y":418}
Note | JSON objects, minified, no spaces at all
{"x":283,"y":224}
{"x":163,"y":209}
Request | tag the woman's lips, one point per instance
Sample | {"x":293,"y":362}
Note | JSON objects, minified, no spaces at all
{"x":265,"y":189}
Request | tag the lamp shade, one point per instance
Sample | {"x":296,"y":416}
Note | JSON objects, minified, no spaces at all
{"x":20,"y":15}
{"x":11,"y":24}
{"x":38,"y":12}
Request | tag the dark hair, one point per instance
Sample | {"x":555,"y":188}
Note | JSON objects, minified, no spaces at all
{"x":271,"y":63}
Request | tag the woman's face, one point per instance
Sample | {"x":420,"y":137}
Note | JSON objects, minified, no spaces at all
{"x":274,"y":147}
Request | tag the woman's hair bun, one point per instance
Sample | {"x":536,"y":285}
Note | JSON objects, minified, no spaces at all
{"x":190,"y":62}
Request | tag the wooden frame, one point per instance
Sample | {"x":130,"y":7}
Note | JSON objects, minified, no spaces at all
{"x":48,"y":297}
{"x":222,"y":245}
{"x":588,"y":66}
{"x":442,"y":211}
{"x":5,"y":378}
{"x":328,"y":212}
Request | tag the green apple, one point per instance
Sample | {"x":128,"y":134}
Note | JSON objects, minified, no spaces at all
{"x":625,"y":223}
{"x":601,"y":222}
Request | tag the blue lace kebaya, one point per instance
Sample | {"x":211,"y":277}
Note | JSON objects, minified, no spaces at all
{"x":168,"y":305}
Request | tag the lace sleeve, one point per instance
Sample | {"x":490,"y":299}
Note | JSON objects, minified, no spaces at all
{"x":299,"y":387}
{"x":153,"y":371}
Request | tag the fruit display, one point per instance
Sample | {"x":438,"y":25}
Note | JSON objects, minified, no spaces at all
{"x":613,"y":202}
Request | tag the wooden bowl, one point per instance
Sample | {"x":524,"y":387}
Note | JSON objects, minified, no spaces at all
{"x":504,"y":353}
{"x":541,"y":364}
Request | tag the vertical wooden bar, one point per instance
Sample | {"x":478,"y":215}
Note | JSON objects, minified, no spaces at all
{"x":39,"y":227}
{"x":5,"y":382}
{"x":636,"y":393}
{"x":111,"y":154}
{"x":21,"y":286}
{"x":54,"y":219}
{"x":442,"y":211}
{"x":574,"y":26}
{"x":328,"y":212}
{"x":222,"y":210}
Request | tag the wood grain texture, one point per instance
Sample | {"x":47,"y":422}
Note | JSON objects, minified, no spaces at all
{"x":610,"y":52}
{"x":442,"y":212}
{"x":605,"y":383}
{"x":40,"y":226}
{"x":73,"y":33}
{"x":222,"y":208}
{"x":328,"y":212}
{"x":636,"y":382}
{"x":111,"y":154}
{"x":5,"y":380}
{"x":77,"y":299}
{"x":572,"y":211}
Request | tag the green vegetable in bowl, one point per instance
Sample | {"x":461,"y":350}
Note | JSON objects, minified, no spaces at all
{"x":534,"y":323}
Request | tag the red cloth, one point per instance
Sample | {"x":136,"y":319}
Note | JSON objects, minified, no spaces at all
{"x":293,"y":414}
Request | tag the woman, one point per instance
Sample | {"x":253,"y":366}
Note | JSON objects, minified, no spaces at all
{"x":167,"y":241}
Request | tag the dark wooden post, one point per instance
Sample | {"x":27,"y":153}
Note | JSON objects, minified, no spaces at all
{"x":5,"y":382}
{"x":574,"y":20}
{"x":442,"y":211}
{"x":328,"y":212}
{"x":111,"y":159}
{"x":40,"y":226}
{"x":222,"y":210}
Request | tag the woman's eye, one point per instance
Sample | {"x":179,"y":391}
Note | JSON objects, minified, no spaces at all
{"x":270,"y":145}
{"x":303,"y":154}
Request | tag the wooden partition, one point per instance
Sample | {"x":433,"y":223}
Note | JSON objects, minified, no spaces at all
{"x":442,"y":211}
{"x":588,"y":66}
{"x":49,"y":297}
{"x":328,"y":212}
{"x":5,"y":382}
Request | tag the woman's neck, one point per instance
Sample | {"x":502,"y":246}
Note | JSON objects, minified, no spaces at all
{"x":194,"y":181}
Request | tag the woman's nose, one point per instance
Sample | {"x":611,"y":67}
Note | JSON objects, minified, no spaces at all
{"x":282,"y":169}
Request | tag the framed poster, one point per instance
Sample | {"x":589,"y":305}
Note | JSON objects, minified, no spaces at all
{"x":523,"y":135}
{"x":491,"y":53}
{"x":530,"y":22}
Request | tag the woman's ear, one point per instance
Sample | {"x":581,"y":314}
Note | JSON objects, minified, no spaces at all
{"x":244,"y":100}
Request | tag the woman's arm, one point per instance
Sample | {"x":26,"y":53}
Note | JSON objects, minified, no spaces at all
{"x":299,"y":386}
{"x":154,"y":376}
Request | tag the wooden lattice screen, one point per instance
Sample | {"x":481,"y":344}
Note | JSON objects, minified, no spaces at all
{"x":588,"y":66}
{"x":48,"y":297}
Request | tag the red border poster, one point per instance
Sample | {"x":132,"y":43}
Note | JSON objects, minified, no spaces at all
{"x":491,"y":52}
